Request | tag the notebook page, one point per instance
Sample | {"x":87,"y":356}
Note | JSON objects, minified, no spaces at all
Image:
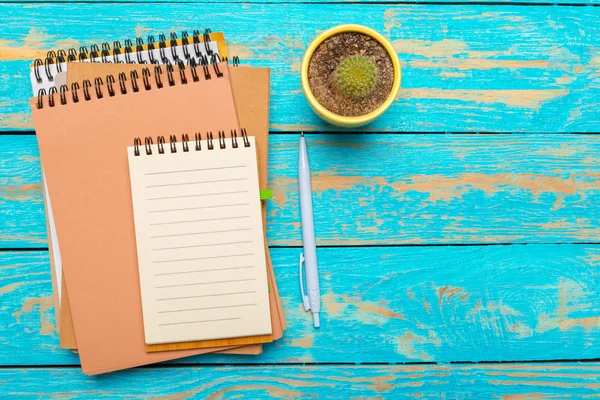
{"x":200,"y":242}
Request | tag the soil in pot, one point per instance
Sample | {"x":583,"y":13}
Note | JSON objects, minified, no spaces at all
{"x":343,"y":50}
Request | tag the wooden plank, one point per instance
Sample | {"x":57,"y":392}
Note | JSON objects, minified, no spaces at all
{"x":390,"y":189}
{"x":465,"y":67}
{"x":518,"y":381}
{"x":22,"y":219}
{"x":416,"y":2}
{"x":380,"y":304}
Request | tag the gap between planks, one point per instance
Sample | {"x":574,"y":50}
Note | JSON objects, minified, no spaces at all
{"x":355,"y":132}
{"x":383,"y":245}
{"x":402,"y":2}
{"x":455,"y":364}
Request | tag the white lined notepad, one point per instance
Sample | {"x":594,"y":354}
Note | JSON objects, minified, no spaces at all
{"x":200,"y":241}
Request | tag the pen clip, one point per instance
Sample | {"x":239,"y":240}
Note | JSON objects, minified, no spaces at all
{"x":304,"y":296}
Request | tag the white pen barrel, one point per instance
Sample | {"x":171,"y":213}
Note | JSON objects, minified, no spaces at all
{"x":308,"y":229}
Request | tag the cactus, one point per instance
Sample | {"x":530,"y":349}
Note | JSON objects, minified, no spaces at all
{"x":356,"y":76}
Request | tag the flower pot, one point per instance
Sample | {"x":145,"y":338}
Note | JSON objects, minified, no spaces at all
{"x":339,"y":120}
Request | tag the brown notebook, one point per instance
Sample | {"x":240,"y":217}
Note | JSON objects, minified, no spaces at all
{"x":91,"y":197}
{"x":251,"y":95}
{"x":54,"y":75}
{"x":79,"y":73}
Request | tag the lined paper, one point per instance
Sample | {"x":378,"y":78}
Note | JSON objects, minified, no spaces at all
{"x":200,"y":242}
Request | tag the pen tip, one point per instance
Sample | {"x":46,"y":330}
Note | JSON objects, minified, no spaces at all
{"x":316,"y":320}
{"x":301,"y":134}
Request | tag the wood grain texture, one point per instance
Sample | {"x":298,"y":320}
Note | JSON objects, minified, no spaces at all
{"x":518,"y":381}
{"x":496,"y":2}
{"x":380,"y":304}
{"x":465,"y":67}
{"x":21,"y":199}
{"x":390,"y":189}
{"x":473,"y":68}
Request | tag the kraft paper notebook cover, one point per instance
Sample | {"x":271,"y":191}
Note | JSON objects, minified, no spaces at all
{"x":51,"y":72}
{"x":102,"y":273}
{"x":251,"y":93}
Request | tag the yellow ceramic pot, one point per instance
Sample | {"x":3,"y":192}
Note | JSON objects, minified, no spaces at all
{"x":335,"y":119}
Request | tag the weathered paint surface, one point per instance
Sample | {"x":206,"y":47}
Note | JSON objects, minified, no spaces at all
{"x":402,"y":304}
{"x":507,"y":2}
{"x":465,"y":67}
{"x":508,"y":382}
{"x":22,"y":219}
{"x":390,"y":189}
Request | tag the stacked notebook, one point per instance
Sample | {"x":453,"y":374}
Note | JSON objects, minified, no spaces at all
{"x":154,"y":156}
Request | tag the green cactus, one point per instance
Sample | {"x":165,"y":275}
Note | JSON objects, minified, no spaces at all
{"x":356,"y":76}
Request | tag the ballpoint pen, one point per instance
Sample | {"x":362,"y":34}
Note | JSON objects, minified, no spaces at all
{"x":311,"y":299}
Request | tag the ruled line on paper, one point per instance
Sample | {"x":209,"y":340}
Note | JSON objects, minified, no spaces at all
{"x":195,"y":170}
{"x":204,"y":283}
{"x":197,"y":195}
{"x":200,"y":208}
{"x":198,"y":322}
{"x":206,"y":295}
{"x":204,"y":270}
{"x":197,"y":183}
{"x":202,"y":245}
{"x":208,"y":308}
{"x":202,"y":233}
{"x":203,"y":258}
{"x":198,"y":220}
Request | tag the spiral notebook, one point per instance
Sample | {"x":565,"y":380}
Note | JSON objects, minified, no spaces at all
{"x":199,"y":235}
{"x":51,"y":73}
{"x":102,"y":273}
{"x":250,"y":87}
{"x":45,"y":74}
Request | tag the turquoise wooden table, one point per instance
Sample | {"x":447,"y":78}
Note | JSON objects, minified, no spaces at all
{"x":458,"y":235}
